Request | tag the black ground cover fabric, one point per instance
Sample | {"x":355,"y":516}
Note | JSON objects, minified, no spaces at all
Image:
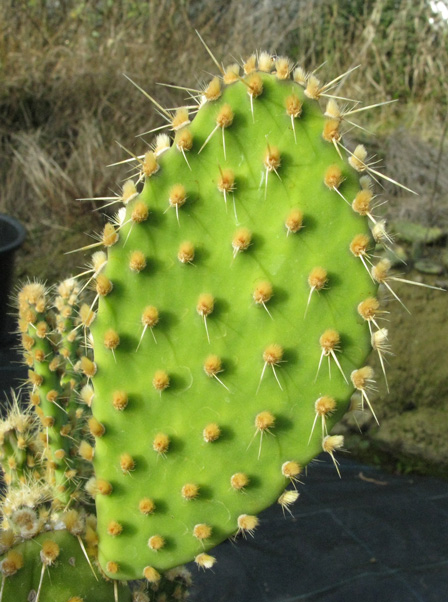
{"x":368,"y":537}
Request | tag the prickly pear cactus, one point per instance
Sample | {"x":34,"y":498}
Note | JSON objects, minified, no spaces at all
{"x":229,"y":320}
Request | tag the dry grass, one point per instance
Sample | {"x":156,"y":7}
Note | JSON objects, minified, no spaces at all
{"x":64,"y":101}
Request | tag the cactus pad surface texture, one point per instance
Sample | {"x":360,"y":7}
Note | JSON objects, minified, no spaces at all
{"x":52,"y":566}
{"x":228,"y":320}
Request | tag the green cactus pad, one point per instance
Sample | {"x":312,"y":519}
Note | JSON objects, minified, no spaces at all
{"x":67,"y":575}
{"x":238,"y":255}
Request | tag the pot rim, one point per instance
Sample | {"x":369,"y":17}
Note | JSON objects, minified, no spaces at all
{"x":20,"y":233}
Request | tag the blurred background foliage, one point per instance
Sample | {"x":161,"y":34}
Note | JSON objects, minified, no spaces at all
{"x":64,"y":103}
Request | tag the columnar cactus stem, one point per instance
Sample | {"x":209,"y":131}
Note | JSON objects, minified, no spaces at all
{"x":47,"y":392}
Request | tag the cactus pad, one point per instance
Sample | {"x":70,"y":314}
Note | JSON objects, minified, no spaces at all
{"x":228,"y":323}
{"x":52,"y":568}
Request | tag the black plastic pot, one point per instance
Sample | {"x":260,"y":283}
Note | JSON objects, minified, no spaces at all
{"x":12,"y":235}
